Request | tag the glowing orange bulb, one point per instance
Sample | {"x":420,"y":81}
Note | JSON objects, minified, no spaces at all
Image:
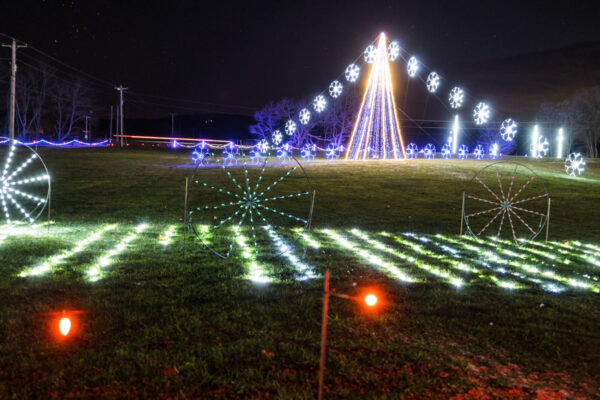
{"x":64,"y":325}
{"x":371,"y":300}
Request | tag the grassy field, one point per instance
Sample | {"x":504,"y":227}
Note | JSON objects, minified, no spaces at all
{"x":460,"y":318}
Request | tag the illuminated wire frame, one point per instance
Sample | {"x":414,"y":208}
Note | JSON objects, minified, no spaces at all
{"x":24,"y":183}
{"x":290,"y":127}
{"x":230,"y":206}
{"x":508,"y":130}
{"x":506,"y":199}
{"x":308,"y":152}
{"x":463,"y":152}
{"x":304,"y":116}
{"x":481,"y":113}
{"x":319,"y":103}
{"x":352,"y":72}
{"x":457,"y":97}
{"x":541,"y":148}
{"x":429,"y":151}
{"x":478,"y":152}
{"x":393,"y":50}
{"x":276,"y":137}
{"x":370,"y":54}
{"x":412,"y":67}
{"x":201,"y":154}
{"x":494,"y":151}
{"x":333,"y":152}
{"x":335,"y":89}
{"x":446,"y":151}
{"x":433,"y":82}
{"x":412,"y":151}
{"x":231,"y":154}
{"x":284,"y":153}
{"x":574,"y":164}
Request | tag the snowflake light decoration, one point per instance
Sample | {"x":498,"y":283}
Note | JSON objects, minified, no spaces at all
{"x":478,"y":152}
{"x":412,"y":150}
{"x":446,"y":151}
{"x":332,"y":152}
{"x":433,"y":82}
{"x":308,"y":151}
{"x":263,"y":146}
{"x":393,"y":50}
{"x":481,"y":113}
{"x":276,"y":137}
{"x":284,"y":153}
{"x":574,"y":164}
{"x":463,"y":152}
{"x":508,"y":130}
{"x":494,"y":151}
{"x":429,"y":151}
{"x":412,"y":66}
{"x":231,"y":154}
{"x":457,"y":96}
{"x":540,"y":148}
{"x":290,"y":127}
{"x":24,"y":184}
{"x":304,"y":116}
{"x":335,"y":89}
{"x":319,"y":103}
{"x":370,"y":54}
{"x":352,"y":72}
{"x":201,"y":154}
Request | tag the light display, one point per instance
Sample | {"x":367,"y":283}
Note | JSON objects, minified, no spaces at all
{"x":429,"y":151}
{"x":276,"y":137}
{"x":494,"y":151}
{"x":508,"y":130}
{"x":231,"y":154}
{"x":559,"y":143}
{"x":303,"y":117}
{"x":455,"y":128}
{"x":201,"y":154}
{"x":481,"y":113}
{"x":332,"y":152}
{"x":290,"y":127}
{"x":24,"y":184}
{"x":256,"y":272}
{"x":370,"y":54}
{"x":502,"y":194}
{"x":376,"y":133}
{"x":393,"y":50}
{"x":535,"y":135}
{"x":319,"y":103}
{"x":412,"y":67}
{"x":70,"y":143}
{"x":352,"y":72}
{"x":463,"y":152}
{"x":263,"y":146}
{"x":305,"y":272}
{"x":412,"y":151}
{"x":539,"y":148}
{"x":457,"y":96}
{"x":574,"y":164}
{"x":335,"y":89}
{"x":166,"y":238}
{"x":478,"y":152}
{"x":309,"y":151}
{"x":284,"y":153}
{"x":446,"y":151}
{"x":433,"y":82}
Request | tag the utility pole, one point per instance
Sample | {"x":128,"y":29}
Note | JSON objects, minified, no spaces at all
{"x":111,"y":124}
{"x":13,"y":81}
{"x":172,"y":125}
{"x":121,"y":89}
{"x":87,"y":117}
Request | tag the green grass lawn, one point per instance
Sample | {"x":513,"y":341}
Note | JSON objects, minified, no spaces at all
{"x":460,"y":318}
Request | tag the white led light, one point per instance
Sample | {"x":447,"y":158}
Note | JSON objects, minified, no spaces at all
{"x":433,"y":82}
{"x":352,"y":72}
{"x":319,"y":103}
{"x":457,"y":96}
{"x":370,"y":54}
{"x":481,"y":113}
{"x":508,"y":130}
{"x":393,"y":50}
{"x":290,"y":127}
{"x":412,"y":66}
{"x":335,"y":89}
{"x":304,"y":116}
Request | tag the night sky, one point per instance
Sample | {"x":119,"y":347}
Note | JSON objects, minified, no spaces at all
{"x":245,"y":54}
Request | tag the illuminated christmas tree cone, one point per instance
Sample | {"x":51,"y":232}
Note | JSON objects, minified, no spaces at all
{"x":376,"y":134}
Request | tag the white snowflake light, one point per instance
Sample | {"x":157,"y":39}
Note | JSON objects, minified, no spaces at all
{"x":304,"y":116}
{"x":429,"y":151}
{"x":319,"y":103}
{"x":276,"y":137}
{"x":540,"y":147}
{"x":393,"y":50}
{"x":433,"y":82}
{"x":481,"y":113}
{"x":494,"y":151}
{"x":463,"y":152}
{"x":412,"y":150}
{"x":508,"y":130}
{"x":352,"y":72}
{"x":457,"y":96}
{"x":412,"y":67}
{"x":290,"y":127}
{"x":335,"y":89}
{"x":479,"y":152}
{"x":574,"y":164}
{"x":370,"y":54}
{"x":446,"y":151}
{"x":263,"y":146}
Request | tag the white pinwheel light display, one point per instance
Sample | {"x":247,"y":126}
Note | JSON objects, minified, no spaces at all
{"x":433,"y":82}
{"x":481,"y":113}
{"x":457,"y":96}
{"x":319,"y":103}
{"x":370,"y":54}
{"x":304,"y":116}
{"x":352,"y":72}
{"x":508,"y":130}
{"x":393,"y":50}
{"x":24,"y":183}
{"x":574,"y":164}
{"x":290,"y":127}
{"x":412,"y":66}
{"x":335,"y":89}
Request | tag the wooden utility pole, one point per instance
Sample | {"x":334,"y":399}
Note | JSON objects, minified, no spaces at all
{"x":121,"y":89}
{"x":13,"y":81}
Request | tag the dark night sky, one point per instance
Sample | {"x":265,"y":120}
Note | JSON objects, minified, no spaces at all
{"x":248,"y":53}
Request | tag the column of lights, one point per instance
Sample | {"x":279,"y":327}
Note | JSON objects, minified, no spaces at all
{"x":307,"y":238}
{"x":535,"y":135}
{"x":167,"y":236}
{"x":559,"y":141}
{"x":96,"y":271}
{"x":256,"y":271}
{"x":376,"y":133}
{"x":58,"y":259}
{"x":455,"y":128}
{"x":286,"y":250}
